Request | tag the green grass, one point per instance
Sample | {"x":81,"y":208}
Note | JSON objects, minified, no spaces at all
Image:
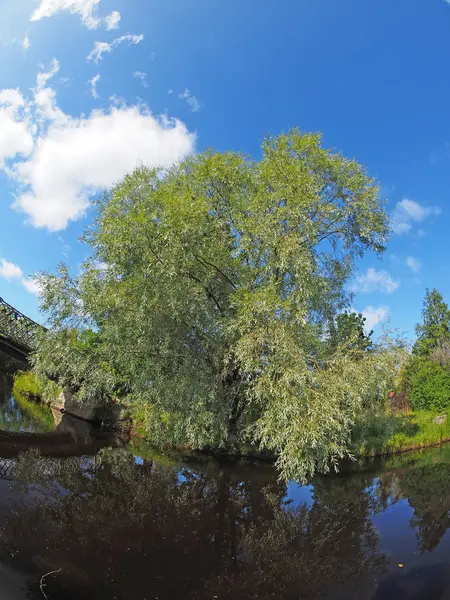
{"x":26,"y":384}
{"x":387,"y":434}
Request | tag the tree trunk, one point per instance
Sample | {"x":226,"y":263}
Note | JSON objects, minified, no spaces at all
{"x":231,"y":383}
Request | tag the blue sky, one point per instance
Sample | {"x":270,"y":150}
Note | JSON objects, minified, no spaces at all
{"x":88,"y":88}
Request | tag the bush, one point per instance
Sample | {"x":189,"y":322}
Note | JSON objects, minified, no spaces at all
{"x":428,"y":385}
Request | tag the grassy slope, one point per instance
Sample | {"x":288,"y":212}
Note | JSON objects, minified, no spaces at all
{"x":26,"y":384}
{"x":374,"y":435}
{"x":388,"y":434}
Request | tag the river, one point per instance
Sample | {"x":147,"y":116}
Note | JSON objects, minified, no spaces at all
{"x":91,"y":519}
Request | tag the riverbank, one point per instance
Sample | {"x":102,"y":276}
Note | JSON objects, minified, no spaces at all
{"x":381,"y":434}
{"x":387,"y":434}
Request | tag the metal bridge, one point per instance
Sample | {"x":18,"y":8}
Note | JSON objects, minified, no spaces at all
{"x":17,"y":332}
{"x":48,"y":466}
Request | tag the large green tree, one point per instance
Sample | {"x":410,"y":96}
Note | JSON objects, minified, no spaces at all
{"x":211,"y":290}
{"x":434,"y":331}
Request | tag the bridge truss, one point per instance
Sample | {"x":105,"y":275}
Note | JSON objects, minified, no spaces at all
{"x":16,"y":329}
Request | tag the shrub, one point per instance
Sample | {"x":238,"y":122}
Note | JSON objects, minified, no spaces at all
{"x":428,"y":385}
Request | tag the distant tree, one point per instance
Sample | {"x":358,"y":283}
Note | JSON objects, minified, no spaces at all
{"x":434,"y":331}
{"x":348,"y":331}
{"x":425,"y":379}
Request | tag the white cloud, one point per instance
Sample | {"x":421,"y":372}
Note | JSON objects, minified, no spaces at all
{"x":86,"y":9}
{"x":401,"y":228}
{"x":46,"y":108}
{"x":414,"y":264}
{"x":416,"y":211}
{"x":101,"y":48}
{"x":15,"y":135}
{"x":93,"y":85}
{"x":65,"y":247}
{"x":66,"y":160}
{"x":190,"y":99}
{"x":112,"y":21}
{"x":12,"y":272}
{"x":11,"y":98}
{"x":31,"y":286}
{"x":44,"y":76}
{"x":407,"y":212}
{"x":142,"y":76}
{"x":117,"y":101}
{"x":73,"y":162}
{"x":374,"y":316}
{"x":26,"y":42}
{"x":374,"y":281}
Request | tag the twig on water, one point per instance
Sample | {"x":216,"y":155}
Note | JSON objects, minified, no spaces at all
{"x":42,"y":581}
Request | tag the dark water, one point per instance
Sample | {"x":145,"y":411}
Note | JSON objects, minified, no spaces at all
{"x":124,"y":523}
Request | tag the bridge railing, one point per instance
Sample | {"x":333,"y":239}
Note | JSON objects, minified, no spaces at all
{"x":16,"y":327}
{"x":47,"y":467}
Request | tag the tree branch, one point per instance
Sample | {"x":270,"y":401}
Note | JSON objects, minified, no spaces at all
{"x":209,"y":294}
{"x":203,"y":261}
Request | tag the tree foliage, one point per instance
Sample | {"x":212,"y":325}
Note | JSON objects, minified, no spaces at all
{"x":349,"y":331}
{"x":428,"y":384}
{"x":434,"y":331}
{"x":426,"y":378}
{"x":210,"y":297}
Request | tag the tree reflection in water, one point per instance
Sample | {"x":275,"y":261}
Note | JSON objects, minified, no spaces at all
{"x":121,"y":530}
{"x":424,"y":485}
